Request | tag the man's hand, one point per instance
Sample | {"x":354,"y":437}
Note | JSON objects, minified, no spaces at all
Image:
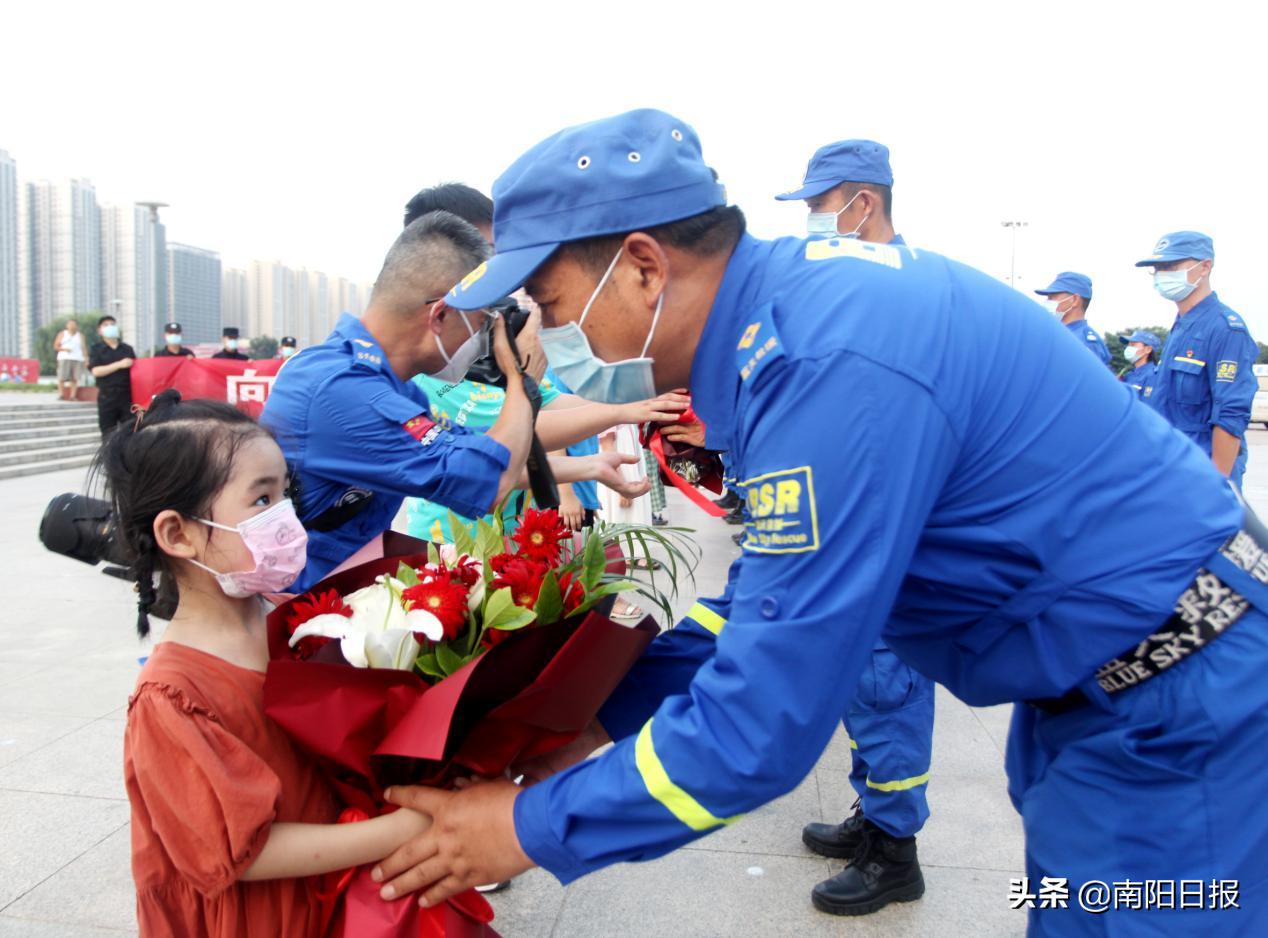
{"x":532,"y":356}
{"x":607,"y":471}
{"x":471,"y":841}
{"x":126,"y":363}
{"x":591,"y":739}
{"x":688,"y":434}
{"x":570,"y":510}
{"x":662,"y":409}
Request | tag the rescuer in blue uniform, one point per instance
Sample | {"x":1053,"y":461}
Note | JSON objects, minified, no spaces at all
{"x":1141,"y":352}
{"x":848,"y":188}
{"x":1205,"y":383}
{"x":357,"y":433}
{"x":986,"y":541}
{"x":1068,"y":298}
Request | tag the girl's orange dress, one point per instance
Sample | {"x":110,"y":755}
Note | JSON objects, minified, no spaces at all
{"x":207,"y":775}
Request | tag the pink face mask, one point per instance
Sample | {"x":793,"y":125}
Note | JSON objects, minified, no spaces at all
{"x":279,"y":546}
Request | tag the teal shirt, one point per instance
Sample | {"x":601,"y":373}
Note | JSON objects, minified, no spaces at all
{"x":474,"y":406}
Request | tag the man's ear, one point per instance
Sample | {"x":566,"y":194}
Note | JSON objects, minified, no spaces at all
{"x":175,"y":535}
{"x":650,"y":262}
{"x":436,"y":314}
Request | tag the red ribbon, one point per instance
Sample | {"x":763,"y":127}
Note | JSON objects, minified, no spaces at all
{"x":657,"y":446}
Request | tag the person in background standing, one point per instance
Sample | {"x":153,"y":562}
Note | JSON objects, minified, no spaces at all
{"x":1141,"y":352}
{"x":111,"y":363}
{"x":1068,"y":298}
{"x":69,"y":346}
{"x":174,"y":343}
{"x":1206,"y":382}
{"x":287,"y":347}
{"x":232,"y":345}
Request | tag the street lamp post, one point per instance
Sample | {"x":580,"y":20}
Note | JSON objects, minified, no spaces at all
{"x":1012,"y":264}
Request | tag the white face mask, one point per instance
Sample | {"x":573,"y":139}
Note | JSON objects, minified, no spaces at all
{"x":1054,"y":307}
{"x":824,"y":224}
{"x":1132,"y":353}
{"x":570,"y":355}
{"x":173,"y":338}
{"x":473,"y":348}
{"x":1174,"y":284}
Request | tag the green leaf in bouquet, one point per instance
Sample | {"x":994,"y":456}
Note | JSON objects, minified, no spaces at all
{"x":550,"y":602}
{"x":500,"y":612}
{"x":433,"y":553}
{"x":595,"y":561}
{"x":407,"y":575}
{"x":427,"y":663}
{"x":448,"y":659}
{"x":606,"y":589}
{"x":463,"y":542}
{"x":488,"y":541}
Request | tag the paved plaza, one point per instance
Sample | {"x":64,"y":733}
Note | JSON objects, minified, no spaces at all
{"x":68,"y":660}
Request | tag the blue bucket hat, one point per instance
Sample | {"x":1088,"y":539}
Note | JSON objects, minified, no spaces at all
{"x":1144,"y":338}
{"x":636,"y":170}
{"x":1069,"y":282}
{"x":1180,"y":246}
{"x":843,"y":161}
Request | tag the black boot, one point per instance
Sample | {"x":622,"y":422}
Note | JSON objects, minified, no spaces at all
{"x":728,"y":501}
{"x":836,"y":840}
{"x":883,"y":870}
{"x":735,"y":515}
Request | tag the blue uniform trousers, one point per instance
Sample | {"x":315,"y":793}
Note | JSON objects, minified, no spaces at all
{"x":890,"y":723}
{"x":1168,"y":785}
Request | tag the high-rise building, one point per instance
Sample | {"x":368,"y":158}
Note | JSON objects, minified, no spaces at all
{"x":235,"y":298}
{"x":59,"y":264}
{"x":10,"y":335}
{"x":134,"y":272}
{"x":271,"y":295}
{"x":193,"y":290}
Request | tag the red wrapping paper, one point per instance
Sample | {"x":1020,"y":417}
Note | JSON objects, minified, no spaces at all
{"x":373,"y":728}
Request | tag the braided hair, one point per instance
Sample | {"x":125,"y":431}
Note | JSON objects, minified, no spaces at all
{"x":177,"y":456}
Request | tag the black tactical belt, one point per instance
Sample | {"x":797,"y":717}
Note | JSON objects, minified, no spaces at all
{"x":1204,"y":612}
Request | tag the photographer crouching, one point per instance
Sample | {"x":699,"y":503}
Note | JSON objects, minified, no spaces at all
{"x":358,"y":435}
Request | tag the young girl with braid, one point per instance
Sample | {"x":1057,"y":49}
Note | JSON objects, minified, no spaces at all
{"x":228,"y":818}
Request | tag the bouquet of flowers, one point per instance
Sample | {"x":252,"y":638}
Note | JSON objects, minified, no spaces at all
{"x":460,"y":661}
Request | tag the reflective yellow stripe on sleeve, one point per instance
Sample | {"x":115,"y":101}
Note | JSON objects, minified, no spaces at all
{"x":659,"y":785}
{"x":706,"y":618}
{"x":901,"y":785}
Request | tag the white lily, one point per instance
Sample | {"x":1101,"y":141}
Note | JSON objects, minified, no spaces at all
{"x":379,"y":633}
{"x":450,"y":557}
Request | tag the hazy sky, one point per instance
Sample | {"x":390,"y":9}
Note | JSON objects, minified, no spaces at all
{"x":297,"y":131}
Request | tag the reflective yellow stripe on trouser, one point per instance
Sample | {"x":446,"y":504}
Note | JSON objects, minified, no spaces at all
{"x":661,"y":787}
{"x":901,"y":785}
{"x":706,"y":618}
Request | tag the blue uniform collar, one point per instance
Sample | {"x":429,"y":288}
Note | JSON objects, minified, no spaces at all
{"x":897,"y":239}
{"x":1212,"y":302}
{"x":715,"y":381}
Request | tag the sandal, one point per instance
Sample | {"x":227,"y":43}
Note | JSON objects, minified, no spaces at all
{"x":631,"y":613}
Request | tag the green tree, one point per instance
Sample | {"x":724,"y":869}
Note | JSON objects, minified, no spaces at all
{"x":263,"y":346}
{"x":1116,"y":342}
{"x":1263,"y":354}
{"x":45,"y":335}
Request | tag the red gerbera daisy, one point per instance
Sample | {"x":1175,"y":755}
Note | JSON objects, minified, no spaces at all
{"x":444,"y":599}
{"x":521,"y":575}
{"x":540,"y":534}
{"x":318,"y":604}
{"x":573,"y":592}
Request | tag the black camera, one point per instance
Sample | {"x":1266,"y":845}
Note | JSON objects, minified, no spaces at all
{"x":485,"y":370}
{"x":83,"y":529}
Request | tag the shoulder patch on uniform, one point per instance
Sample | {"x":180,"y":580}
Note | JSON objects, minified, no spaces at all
{"x":422,"y":429}
{"x":759,"y":343}
{"x":1235,"y":322}
{"x":888,"y":255}
{"x":363,"y":343}
{"x":782,"y":517}
{"x":1226,"y":370}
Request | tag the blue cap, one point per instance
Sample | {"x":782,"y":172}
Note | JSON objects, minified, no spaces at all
{"x":1069,"y":282}
{"x":636,"y":170}
{"x":1180,"y":246}
{"x":843,"y":161}
{"x":1145,"y":338}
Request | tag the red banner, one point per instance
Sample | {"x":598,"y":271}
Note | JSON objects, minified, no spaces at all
{"x":246,"y":384}
{"x":19,"y":371}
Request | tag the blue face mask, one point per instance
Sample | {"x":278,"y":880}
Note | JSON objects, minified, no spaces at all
{"x":589,"y":376}
{"x":824,"y":224}
{"x":1174,"y":284}
{"x":110,"y":332}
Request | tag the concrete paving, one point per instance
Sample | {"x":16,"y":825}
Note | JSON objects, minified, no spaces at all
{"x":68,"y":660}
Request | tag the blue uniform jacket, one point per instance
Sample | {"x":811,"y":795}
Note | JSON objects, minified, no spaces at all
{"x":1205,"y":378}
{"x":1141,"y":379}
{"x":350,"y":428}
{"x":921,"y":454}
{"x":1090,"y":338}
